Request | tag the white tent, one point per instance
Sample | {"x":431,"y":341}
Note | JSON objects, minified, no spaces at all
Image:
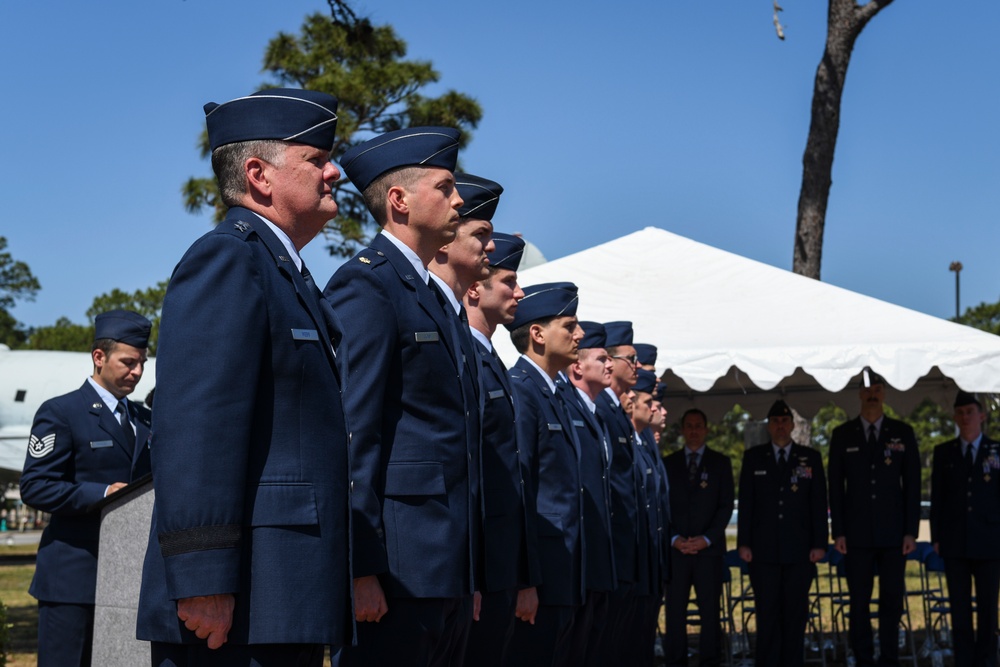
{"x":733,"y":330}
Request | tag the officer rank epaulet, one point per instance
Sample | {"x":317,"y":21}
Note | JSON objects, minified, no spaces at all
{"x":238,"y":228}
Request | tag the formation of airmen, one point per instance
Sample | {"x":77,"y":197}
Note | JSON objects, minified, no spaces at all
{"x":355,"y":467}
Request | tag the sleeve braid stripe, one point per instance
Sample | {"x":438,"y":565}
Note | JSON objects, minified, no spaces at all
{"x":200,"y":539}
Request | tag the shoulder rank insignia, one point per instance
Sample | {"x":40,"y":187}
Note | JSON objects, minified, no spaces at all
{"x":364,"y":260}
{"x":241,"y":226}
{"x":39,"y":447}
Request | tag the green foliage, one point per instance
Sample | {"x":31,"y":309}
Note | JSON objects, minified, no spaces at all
{"x":985,"y":316}
{"x":12,"y":332}
{"x":66,"y":335}
{"x":725,"y":436}
{"x":365,"y":67}
{"x":16,"y":279}
{"x":63,"y":335}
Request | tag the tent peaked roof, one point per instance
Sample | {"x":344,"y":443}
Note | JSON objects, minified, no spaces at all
{"x":726,"y":323}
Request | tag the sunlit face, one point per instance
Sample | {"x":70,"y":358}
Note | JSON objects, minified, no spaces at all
{"x":595,"y":368}
{"x":695,"y":430}
{"x":780,"y":428}
{"x":120,"y":371}
{"x":969,"y":420}
{"x":302,"y":187}
{"x":498,"y":296}
{"x":562,"y":337}
{"x":642,"y":410}
{"x":432,"y":201}
{"x":467,"y":253}
{"x":625,"y":372}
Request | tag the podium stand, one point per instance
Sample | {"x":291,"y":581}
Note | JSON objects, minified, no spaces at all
{"x":125,"y":519}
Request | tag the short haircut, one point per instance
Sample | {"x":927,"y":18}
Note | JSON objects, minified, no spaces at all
{"x":613,"y":349}
{"x":694,"y":411}
{"x":105,"y":345}
{"x":228,"y":161}
{"x":377,"y":191}
{"x":521,"y":335}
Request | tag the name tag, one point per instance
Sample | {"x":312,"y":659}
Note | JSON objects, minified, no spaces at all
{"x":649,"y":471}
{"x":98,"y":444}
{"x":760,"y":472}
{"x":555,"y":427}
{"x":499,"y":393}
{"x":622,"y":440}
{"x":578,"y":423}
{"x":852,"y":449}
{"x":426,"y":336}
{"x":304,"y":334}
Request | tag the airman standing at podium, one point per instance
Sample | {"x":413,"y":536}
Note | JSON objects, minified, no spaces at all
{"x":83,"y":446}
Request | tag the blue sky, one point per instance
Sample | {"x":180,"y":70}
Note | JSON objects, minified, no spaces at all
{"x":600,"y":119}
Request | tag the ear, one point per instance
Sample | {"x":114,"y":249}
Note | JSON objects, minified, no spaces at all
{"x":396,"y":197}
{"x":473,"y":292}
{"x":536,"y":333}
{"x":99,"y":359}
{"x":258,"y":178}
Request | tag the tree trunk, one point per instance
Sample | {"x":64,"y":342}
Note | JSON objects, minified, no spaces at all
{"x":845,"y":20}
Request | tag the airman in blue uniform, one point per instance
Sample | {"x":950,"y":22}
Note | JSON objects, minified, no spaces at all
{"x":965,"y":506}
{"x":782,"y":534}
{"x":83,"y":446}
{"x":248,"y":559}
{"x":546,"y":333}
{"x":874,"y":469}
{"x":413,"y":409}
{"x":587,"y":377}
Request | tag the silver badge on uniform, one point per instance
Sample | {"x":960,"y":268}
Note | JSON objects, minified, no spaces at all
{"x":305,"y":334}
{"x":101,"y":444}
{"x":555,"y":427}
{"x":39,"y":447}
{"x":426,"y":336}
{"x":498,"y":393}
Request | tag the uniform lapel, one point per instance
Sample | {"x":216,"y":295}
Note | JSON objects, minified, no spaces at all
{"x":309,"y":298}
{"x":105,"y":418}
{"x":425,"y":297}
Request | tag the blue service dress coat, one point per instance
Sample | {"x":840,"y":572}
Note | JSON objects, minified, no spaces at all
{"x":77,"y":448}
{"x":250,"y":460}
{"x":874,"y":493}
{"x":782,"y":517}
{"x":510,"y":529}
{"x":965,"y":502}
{"x":544,"y":430}
{"x":594,"y":471}
{"x":414,"y":418}
{"x":625,"y":495}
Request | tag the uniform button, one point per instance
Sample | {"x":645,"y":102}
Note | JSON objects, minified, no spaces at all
{"x":352,"y":486}
{"x":873,"y":496}
{"x":970,"y":494}
{"x":970,"y":509}
{"x":522,"y":482}
{"x":781,"y":516}
{"x":873,"y":466}
{"x":873,"y":481}
{"x":781,"y":502}
{"x":517,"y":451}
{"x":581,"y":489}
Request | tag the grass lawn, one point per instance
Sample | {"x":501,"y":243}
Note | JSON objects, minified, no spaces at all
{"x":22,"y":609}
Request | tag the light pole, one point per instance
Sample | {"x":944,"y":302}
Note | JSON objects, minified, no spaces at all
{"x":957,"y":268}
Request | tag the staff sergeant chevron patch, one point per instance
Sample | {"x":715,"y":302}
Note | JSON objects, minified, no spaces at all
{"x":37,"y":448}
